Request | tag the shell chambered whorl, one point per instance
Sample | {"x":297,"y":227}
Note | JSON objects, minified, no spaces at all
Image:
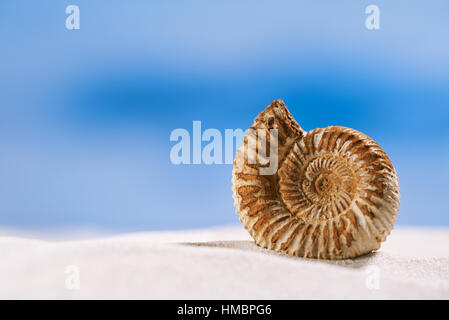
{"x":335,"y":194}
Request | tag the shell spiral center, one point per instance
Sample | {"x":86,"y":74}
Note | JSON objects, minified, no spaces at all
{"x":318,"y":187}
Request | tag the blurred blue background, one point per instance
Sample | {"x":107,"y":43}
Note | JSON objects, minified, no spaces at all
{"x":86,"y":115}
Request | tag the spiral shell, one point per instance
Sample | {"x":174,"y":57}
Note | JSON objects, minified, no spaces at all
{"x":334,"y":196}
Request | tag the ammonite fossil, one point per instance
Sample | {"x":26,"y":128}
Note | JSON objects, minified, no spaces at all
{"x":334,"y":195}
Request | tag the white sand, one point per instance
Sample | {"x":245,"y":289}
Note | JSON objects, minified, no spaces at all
{"x":219,"y":264}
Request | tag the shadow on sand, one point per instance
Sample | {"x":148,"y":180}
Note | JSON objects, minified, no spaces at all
{"x":249,"y":246}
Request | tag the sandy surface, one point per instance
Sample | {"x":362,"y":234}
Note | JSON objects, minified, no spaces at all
{"x":218,"y":263}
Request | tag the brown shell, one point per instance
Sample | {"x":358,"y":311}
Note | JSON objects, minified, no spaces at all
{"x":334,"y":196}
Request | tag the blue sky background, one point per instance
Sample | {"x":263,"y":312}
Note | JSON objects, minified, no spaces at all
{"x":86,"y":115}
